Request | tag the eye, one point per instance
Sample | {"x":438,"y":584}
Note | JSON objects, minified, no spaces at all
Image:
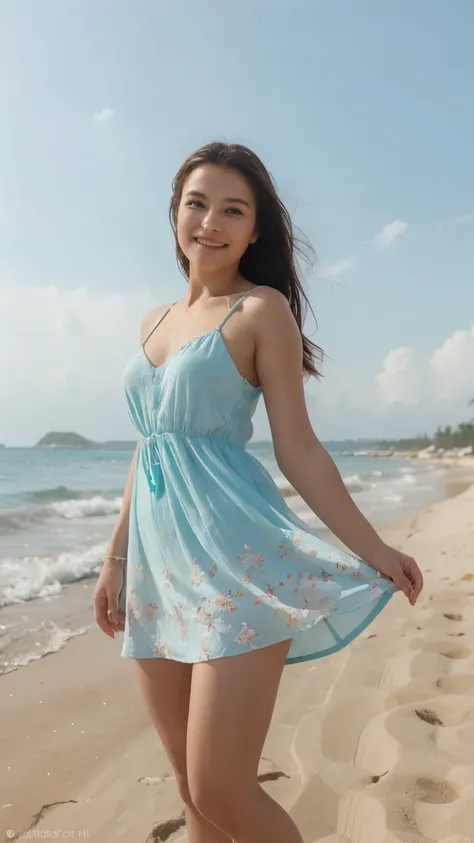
{"x":194,"y":203}
{"x":235,"y":212}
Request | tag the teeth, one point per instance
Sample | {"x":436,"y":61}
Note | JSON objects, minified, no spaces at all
{"x":207,"y":243}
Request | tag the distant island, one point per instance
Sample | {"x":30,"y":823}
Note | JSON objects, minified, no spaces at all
{"x":444,"y":440}
{"x":69,"y":441}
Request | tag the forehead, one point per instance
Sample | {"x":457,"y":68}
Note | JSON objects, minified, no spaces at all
{"x":216,"y":181}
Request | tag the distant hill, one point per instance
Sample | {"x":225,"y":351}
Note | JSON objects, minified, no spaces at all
{"x":71,"y":440}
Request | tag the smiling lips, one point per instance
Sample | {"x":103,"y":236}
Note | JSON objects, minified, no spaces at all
{"x":205,"y":243}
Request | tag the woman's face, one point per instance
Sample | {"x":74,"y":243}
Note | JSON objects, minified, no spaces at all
{"x":217,"y":217}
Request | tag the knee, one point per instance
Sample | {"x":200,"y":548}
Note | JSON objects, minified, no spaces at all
{"x":220,"y":800}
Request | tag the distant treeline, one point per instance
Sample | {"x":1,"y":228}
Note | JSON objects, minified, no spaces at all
{"x":445,"y":437}
{"x":458,"y":437}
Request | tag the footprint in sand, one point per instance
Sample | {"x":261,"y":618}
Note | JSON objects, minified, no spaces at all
{"x":429,"y":789}
{"x":447,"y":711}
{"x":462,"y":683}
{"x":452,"y":617}
{"x":434,"y":791}
{"x":458,"y":652}
{"x":444,"y":648}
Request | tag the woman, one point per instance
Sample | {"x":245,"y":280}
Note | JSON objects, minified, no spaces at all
{"x":224,"y":583}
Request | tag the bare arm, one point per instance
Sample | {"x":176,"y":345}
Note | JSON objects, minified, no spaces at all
{"x":109,"y":617}
{"x":300,"y":455}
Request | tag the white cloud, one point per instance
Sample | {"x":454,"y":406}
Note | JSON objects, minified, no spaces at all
{"x":401,"y":378}
{"x":103,"y":116}
{"x":389,"y":233}
{"x":62,"y":354}
{"x":63,"y":351}
{"x":332,"y":270}
{"x":464,"y":218}
{"x":442,"y":379}
{"x":453,"y":366}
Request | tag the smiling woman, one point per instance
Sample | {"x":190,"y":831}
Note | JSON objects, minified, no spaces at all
{"x":209,"y":223}
{"x":225,"y":584}
{"x":261,"y":231}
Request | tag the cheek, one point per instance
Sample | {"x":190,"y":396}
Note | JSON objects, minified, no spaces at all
{"x":181,"y":221}
{"x":183,"y":227}
{"x":242,"y":234}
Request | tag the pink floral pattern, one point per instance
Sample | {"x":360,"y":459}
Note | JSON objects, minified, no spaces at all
{"x":225,"y":603}
{"x":161,"y":649}
{"x":197,"y":576}
{"x":246,"y":636}
{"x":294,"y":598}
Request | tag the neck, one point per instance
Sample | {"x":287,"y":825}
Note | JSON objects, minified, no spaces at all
{"x":222,"y":282}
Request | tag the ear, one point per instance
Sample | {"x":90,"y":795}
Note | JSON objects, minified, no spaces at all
{"x":254,"y":238}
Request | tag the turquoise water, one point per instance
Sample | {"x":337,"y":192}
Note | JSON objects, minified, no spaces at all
{"x":58,"y":507}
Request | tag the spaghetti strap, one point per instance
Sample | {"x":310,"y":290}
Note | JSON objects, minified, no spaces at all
{"x":235,"y":306}
{"x":160,"y":320}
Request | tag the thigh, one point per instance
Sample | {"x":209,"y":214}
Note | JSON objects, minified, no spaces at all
{"x":231,"y":705}
{"x":165,"y":685}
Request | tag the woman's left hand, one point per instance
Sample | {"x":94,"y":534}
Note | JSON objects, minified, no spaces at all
{"x":400,"y":568}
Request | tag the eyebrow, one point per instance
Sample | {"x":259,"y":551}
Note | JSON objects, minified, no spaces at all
{"x":233,"y":199}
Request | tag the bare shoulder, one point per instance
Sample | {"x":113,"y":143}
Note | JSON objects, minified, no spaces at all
{"x":151,"y":319}
{"x":272,"y":313}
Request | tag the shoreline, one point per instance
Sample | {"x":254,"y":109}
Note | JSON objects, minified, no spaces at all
{"x":43,"y":625}
{"x":75,"y":731}
{"x":53,"y":621}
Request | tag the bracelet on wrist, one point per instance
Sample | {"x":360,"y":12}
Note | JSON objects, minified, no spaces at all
{"x":116,"y":558}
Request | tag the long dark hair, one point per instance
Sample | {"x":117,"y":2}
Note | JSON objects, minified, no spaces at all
{"x":272,"y":260}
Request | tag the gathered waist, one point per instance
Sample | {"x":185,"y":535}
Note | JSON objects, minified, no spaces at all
{"x":151,"y":450}
{"x":178,"y":434}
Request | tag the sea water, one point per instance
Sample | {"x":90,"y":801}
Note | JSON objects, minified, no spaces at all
{"x":58,"y":507}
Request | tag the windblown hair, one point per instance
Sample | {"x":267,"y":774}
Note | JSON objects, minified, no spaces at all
{"x":272,"y":260}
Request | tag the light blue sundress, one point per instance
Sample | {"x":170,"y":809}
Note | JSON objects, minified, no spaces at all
{"x":218,"y":563}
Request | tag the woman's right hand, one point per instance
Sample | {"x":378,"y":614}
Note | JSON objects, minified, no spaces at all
{"x":106,"y":594}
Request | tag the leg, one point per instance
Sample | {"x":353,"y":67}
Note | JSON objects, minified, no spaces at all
{"x":165,"y":685}
{"x":232,"y":701}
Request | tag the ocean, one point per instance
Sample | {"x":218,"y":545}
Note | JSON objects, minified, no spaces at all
{"x":57,"y":508}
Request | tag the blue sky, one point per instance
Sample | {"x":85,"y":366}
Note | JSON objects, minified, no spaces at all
{"x":361,"y":110}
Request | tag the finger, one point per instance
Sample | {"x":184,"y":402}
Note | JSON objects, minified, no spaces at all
{"x":119,"y":624}
{"x":402,"y":582}
{"x":100,"y":614}
{"x":113,"y":609}
{"x":410,"y":568}
{"x":416,"y":578}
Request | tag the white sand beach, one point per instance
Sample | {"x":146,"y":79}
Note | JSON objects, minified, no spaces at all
{"x":372,"y":745}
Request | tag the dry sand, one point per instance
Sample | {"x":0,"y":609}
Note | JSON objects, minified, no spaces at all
{"x":372,"y":745}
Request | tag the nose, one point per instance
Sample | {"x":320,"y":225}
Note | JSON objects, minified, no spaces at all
{"x":209,"y":221}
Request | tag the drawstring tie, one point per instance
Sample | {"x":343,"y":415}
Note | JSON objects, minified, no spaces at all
{"x":152,"y":459}
{"x":153,"y":454}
